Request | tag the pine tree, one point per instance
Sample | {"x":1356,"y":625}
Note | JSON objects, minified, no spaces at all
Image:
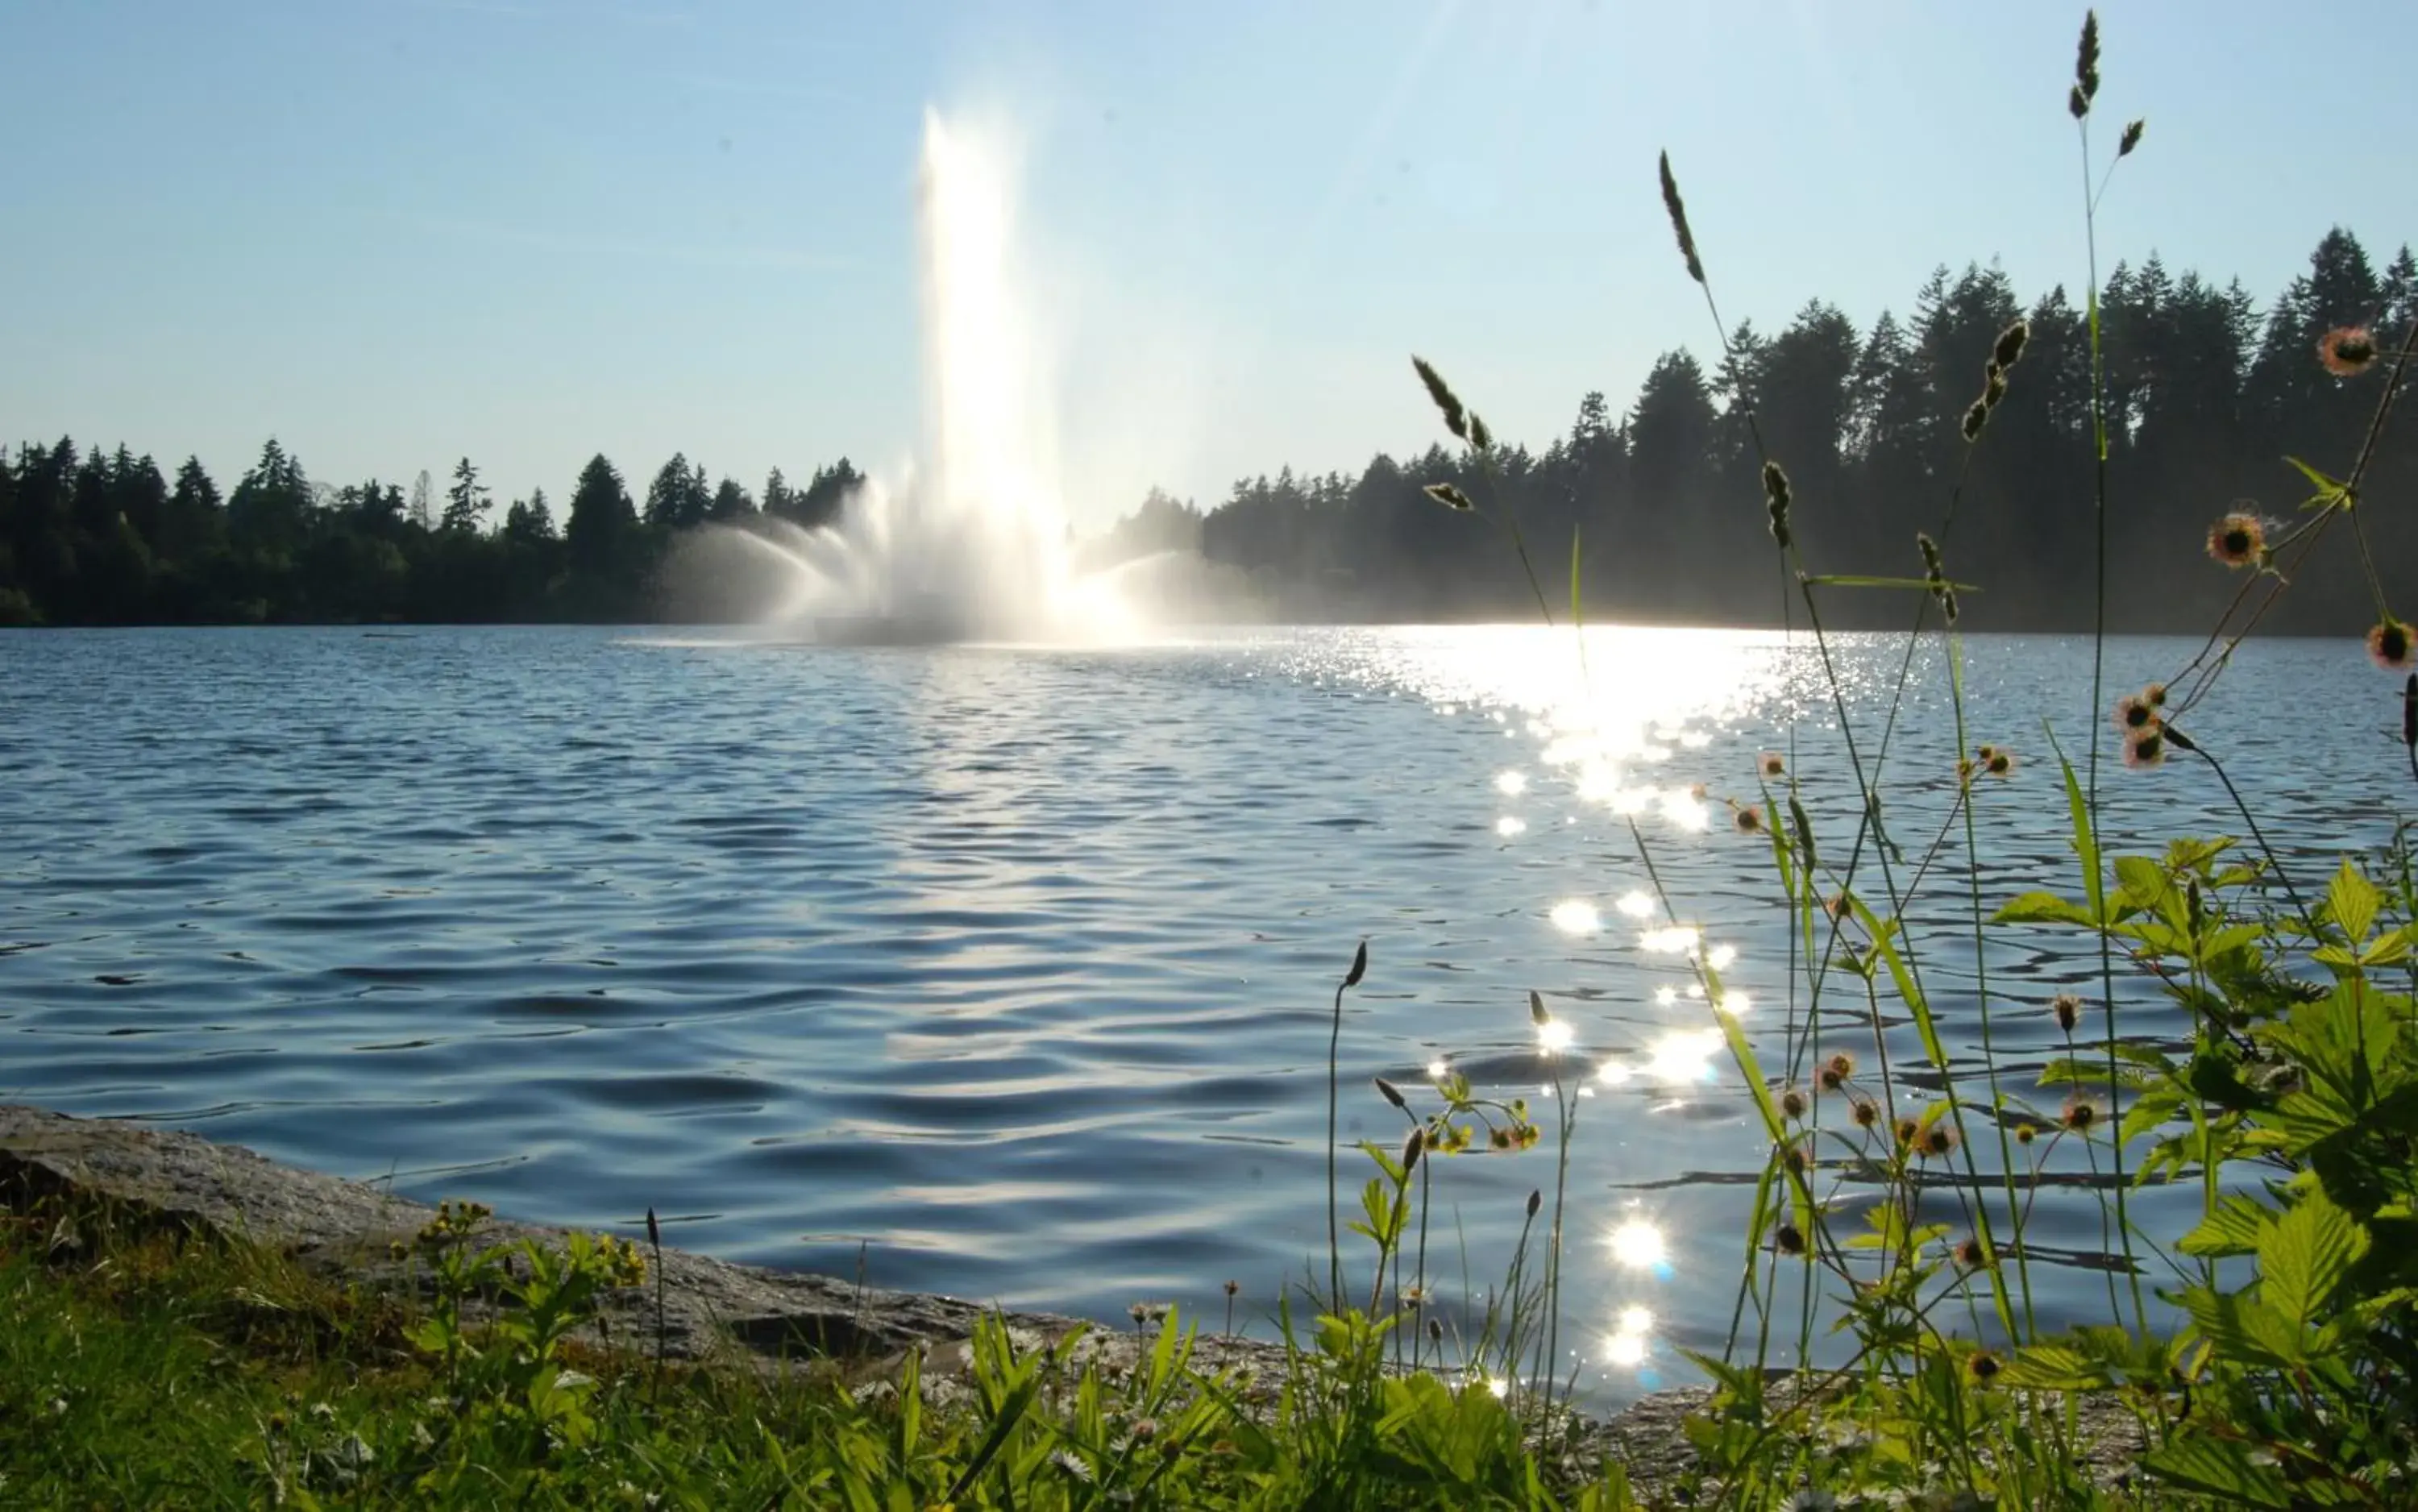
{"x":466,"y":502}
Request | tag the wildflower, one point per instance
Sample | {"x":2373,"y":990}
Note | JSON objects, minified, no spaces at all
{"x":1233,"y":1286}
{"x":1829,"y":1078}
{"x":1795,"y":1157}
{"x":2067,"y":1009}
{"x":1964,"y":771}
{"x":1997,"y":761}
{"x":2347,"y":350}
{"x":1813,"y":1501}
{"x":1866,"y":1112}
{"x":1749,"y":817}
{"x":2026,"y":1132}
{"x":2389,"y":646}
{"x":2154,"y":694}
{"x":1971,"y":1253}
{"x":1498,"y":1138}
{"x":2134,"y":713}
{"x":1414,"y":1144}
{"x":1908,"y":1132}
{"x":1071,"y":1464}
{"x":1435,"y":1330}
{"x":2145,"y":749}
{"x":1837,"y":906}
{"x":1771,"y":765}
{"x":1413,"y":1297}
{"x":1939,"y":1139}
{"x":1983,"y":1366}
{"x":1147,"y":1312}
{"x":1792,"y":1104}
{"x":1789,"y":1239}
{"x":2238,"y":540}
{"x":2079,"y":1114}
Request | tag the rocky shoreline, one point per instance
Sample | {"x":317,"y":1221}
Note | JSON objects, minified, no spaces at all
{"x":711,"y":1308}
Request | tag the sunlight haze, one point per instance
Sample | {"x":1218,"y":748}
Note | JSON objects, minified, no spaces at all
{"x":393,"y":234}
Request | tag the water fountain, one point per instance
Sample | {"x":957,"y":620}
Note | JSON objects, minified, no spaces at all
{"x":974,"y":545}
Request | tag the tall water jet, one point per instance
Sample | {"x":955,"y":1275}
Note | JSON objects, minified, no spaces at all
{"x":974,"y":545}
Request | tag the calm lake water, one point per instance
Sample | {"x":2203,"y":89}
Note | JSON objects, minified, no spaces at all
{"x":1010,"y":969}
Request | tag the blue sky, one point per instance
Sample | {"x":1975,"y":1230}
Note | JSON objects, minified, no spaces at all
{"x":397,"y":232}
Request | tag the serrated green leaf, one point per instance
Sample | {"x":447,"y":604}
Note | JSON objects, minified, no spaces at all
{"x":2056,"y":1368}
{"x":2142,"y":882}
{"x":2234,"y":1228}
{"x":2218,"y":1467}
{"x":2042,"y":907}
{"x":2304,"y":1255}
{"x":2243,"y":1329}
{"x":2352,"y":899}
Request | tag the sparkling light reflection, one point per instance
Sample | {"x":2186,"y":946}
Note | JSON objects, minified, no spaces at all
{"x":1554,"y":1035}
{"x":1672,"y":940}
{"x":1509,"y":825}
{"x":1511,"y":784}
{"x":1576,"y":916}
{"x":1638,"y":1244}
{"x":1684,"y":1055}
{"x":1636,"y":905}
{"x":1629,"y":1342}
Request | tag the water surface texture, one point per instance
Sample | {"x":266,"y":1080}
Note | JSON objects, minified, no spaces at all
{"x":1008,"y":970}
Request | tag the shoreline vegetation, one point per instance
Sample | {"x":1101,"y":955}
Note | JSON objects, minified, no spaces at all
{"x":330,"y":1343}
{"x":1883,"y":1351}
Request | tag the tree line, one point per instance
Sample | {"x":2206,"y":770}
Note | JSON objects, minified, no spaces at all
{"x":103,"y":537}
{"x":2206,"y":395}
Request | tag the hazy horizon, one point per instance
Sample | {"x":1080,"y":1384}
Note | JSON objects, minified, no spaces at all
{"x":397,"y":234}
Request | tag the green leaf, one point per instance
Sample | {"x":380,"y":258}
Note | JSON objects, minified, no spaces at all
{"x":2352,"y":899}
{"x":1856,"y":580}
{"x":2304,"y":1255}
{"x":2086,"y":839}
{"x":2235,"y":1228}
{"x":2243,"y":1330}
{"x":2042,"y":907}
{"x":1907,"y":988}
{"x":2142,"y":882}
{"x":2056,"y":1368}
{"x":2219,"y":1466}
{"x":2329,"y":488}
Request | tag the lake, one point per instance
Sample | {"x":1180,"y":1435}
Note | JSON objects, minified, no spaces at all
{"x":1007,"y":971}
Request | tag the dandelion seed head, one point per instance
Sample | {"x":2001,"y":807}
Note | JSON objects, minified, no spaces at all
{"x":2347,"y":350}
{"x":2389,"y":646}
{"x":2238,"y":540}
